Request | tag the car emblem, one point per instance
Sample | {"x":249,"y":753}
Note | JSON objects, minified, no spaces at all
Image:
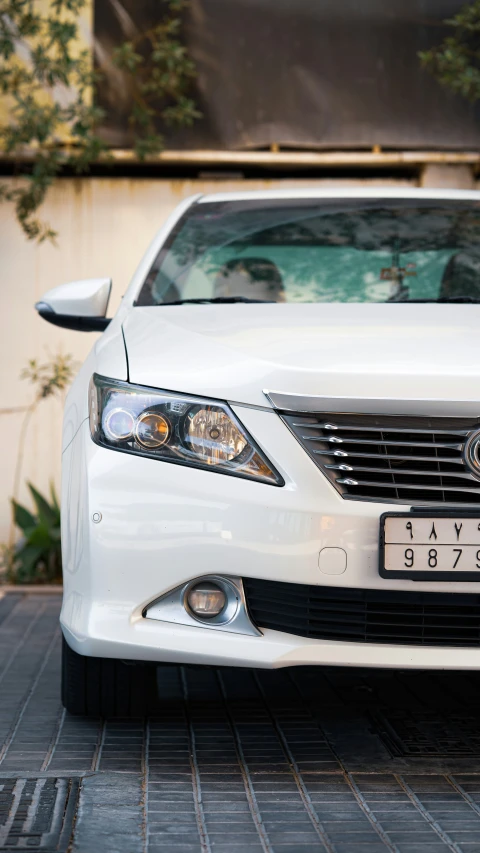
{"x":471,"y":453}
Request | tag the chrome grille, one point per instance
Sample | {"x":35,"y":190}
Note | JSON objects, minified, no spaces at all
{"x":407,"y":460}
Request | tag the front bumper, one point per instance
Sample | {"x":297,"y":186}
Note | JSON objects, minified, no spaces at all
{"x":162,"y":525}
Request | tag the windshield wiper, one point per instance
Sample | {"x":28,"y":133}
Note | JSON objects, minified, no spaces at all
{"x":471,"y":299}
{"x":215,"y":299}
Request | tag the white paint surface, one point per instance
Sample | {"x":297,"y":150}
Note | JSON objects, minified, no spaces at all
{"x":104,"y":228}
{"x":86,"y":298}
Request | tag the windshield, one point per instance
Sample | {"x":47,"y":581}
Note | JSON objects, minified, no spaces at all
{"x":339,"y":250}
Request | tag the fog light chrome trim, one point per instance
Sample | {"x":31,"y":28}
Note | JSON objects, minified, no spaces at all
{"x":173,"y":607}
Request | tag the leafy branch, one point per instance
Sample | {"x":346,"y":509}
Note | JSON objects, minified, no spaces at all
{"x":162,"y":75}
{"x":456,"y":61}
{"x":49,"y":84}
{"x":50,"y":379}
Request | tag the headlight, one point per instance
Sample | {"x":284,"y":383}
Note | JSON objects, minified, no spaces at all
{"x":174,"y":428}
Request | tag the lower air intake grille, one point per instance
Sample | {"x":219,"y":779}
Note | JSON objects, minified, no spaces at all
{"x":407,"y":460}
{"x":365,"y":616}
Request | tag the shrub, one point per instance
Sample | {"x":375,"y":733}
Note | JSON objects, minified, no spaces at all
{"x":36,"y":557}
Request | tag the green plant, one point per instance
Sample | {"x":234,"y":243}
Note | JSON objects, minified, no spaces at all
{"x":162,"y":75}
{"x":49,"y":380}
{"x":49,"y":87}
{"x":456,"y":61}
{"x":49,"y":99}
{"x":37,"y":558}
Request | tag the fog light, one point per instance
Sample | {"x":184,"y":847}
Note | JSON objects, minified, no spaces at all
{"x":206,"y":599}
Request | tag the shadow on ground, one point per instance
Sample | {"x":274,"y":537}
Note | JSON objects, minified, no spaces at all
{"x":236,"y":761}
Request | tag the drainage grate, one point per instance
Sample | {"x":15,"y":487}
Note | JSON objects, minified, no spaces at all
{"x":37,"y":814}
{"x":423,"y":735}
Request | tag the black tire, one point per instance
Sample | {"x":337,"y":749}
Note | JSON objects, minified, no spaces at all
{"x":101,"y":687}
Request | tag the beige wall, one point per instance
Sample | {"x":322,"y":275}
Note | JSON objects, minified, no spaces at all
{"x":104,"y":227}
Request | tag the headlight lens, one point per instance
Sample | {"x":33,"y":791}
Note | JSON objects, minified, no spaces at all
{"x":174,"y":428}
{"x":213,"y":436}
{"x":151,"y":430}
{"x":119,"y":424}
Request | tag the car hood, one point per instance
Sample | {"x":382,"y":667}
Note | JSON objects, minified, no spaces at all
{"x":237,"y":352}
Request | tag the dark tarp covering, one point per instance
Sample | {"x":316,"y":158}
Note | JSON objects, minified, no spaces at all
{"x":310,"y":74}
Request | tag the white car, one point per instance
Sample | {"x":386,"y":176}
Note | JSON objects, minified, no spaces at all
{"x":271,"y":455}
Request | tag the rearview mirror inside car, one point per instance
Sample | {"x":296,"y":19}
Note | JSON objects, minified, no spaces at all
{"x":79,"y":305}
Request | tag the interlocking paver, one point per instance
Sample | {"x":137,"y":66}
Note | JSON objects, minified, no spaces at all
{"x":302,"y":761}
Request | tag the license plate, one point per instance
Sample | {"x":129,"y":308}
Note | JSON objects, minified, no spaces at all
{"x":425,"y":546}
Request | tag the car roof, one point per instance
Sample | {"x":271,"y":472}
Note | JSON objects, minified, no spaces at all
{"x":344,"y":192}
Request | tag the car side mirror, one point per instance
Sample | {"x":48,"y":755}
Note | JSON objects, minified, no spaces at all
{"x":78,"y":305}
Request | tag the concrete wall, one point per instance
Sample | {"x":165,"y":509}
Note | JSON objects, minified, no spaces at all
{"x":104,"y":227}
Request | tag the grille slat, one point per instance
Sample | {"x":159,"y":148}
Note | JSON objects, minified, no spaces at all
{"x":346,"y":428}
{"x":390,"y":459}
{"x":460,"y":474}
{"x":454,"y":460}
{"x":363,"y":616}
{"x":333,"y":439}
{"x":440,"y":487}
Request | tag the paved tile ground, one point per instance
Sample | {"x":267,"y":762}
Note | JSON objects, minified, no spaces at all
{"x":236,"y":761}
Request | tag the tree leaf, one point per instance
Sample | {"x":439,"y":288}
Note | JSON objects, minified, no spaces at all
{"x":23,"y":518}
{"x":53,"y":495}
{"x":46,"y":513}
{"x":40,"y":537}
{"x":27,"y":560}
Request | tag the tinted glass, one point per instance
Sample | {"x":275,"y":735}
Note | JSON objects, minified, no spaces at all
{"x":363,"y":250}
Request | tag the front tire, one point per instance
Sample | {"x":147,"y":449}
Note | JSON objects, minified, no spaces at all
{"x":101,"y":687}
